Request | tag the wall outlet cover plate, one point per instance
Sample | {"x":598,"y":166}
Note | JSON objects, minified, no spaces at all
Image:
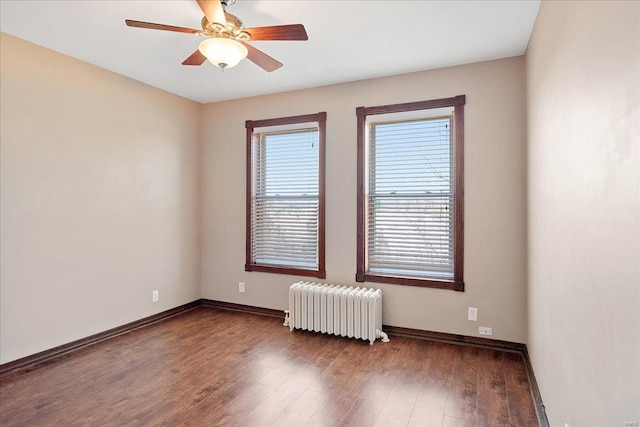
{"x":483,"y":330}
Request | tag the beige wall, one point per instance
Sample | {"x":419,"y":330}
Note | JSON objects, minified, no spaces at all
{"x":495,"y":209}
{"x":583,"y":87}
{"x":100,"y":189}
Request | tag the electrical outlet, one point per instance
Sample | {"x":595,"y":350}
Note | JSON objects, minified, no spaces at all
{"x":155,"y":296}
{"x":473,"y":314}
{"x":241,"y":287}
{"x":482,"y":330}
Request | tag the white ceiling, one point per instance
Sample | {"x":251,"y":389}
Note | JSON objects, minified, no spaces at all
{"x":348,"y":39}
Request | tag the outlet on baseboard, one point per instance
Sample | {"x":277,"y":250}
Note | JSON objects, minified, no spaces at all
{"x":483,"y":330}
{"x":241,"y":287}
{"x":473,"y":314}
{"x":155,"y":296}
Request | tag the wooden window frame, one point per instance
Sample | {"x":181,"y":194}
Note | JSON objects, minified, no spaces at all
{"x":321,"y":120}
{"x":362,"y":275}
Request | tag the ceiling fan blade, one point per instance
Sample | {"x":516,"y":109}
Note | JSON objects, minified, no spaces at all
{"x":152,"y":26}
{"x":261,"y":59}
{"x":213,"y":10}
{"x":278,"y":32}
{"x":196,"y":58}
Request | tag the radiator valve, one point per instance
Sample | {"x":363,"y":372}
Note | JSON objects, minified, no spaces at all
{"x":382,"y":335}
{"x":286,"y":318}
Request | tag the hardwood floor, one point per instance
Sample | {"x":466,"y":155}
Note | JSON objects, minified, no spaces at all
{"x":213,"y":367}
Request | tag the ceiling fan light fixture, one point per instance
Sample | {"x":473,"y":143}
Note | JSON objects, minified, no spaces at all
{"x":223,"y":52}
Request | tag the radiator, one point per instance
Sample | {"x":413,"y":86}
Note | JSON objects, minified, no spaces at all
{"x":339,"y":310}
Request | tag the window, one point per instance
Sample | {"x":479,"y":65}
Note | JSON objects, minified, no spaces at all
{"x":285,"y":195}
{"x":410,"y":193}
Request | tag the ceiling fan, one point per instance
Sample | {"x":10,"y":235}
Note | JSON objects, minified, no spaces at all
{"x":226,"y":38}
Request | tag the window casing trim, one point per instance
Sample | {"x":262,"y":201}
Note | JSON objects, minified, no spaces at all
{"x":457,"y":284}
{"x":250,"y":125}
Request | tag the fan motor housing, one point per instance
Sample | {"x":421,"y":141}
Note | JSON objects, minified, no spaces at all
{"x":233,"y":28}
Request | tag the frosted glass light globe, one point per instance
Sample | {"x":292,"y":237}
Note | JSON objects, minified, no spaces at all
{"x":223,"y":53}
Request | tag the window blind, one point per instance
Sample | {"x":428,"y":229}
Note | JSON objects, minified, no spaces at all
{"x":285,"y":206}
{"x":410,"y":198}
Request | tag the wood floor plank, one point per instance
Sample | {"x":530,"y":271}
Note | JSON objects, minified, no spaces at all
{"x":344,"y":378}
{"x":271,"y":408}
{"x":442,"y":357}
{"x":456,"y":422}
{"x":214,"y":367}
{"x":232,"y":409}
{"x":430,"y":405}
{"x":346,"y":375}
{"x":331,"y":412}
{"x":362,"y":413}
{"x":518,"y":391}
{"x":463,"y":396}
{"x":493,"y":409}
{"x":300,"y":410}
{"x":398,"y":407}
{"x":388,"y":361}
